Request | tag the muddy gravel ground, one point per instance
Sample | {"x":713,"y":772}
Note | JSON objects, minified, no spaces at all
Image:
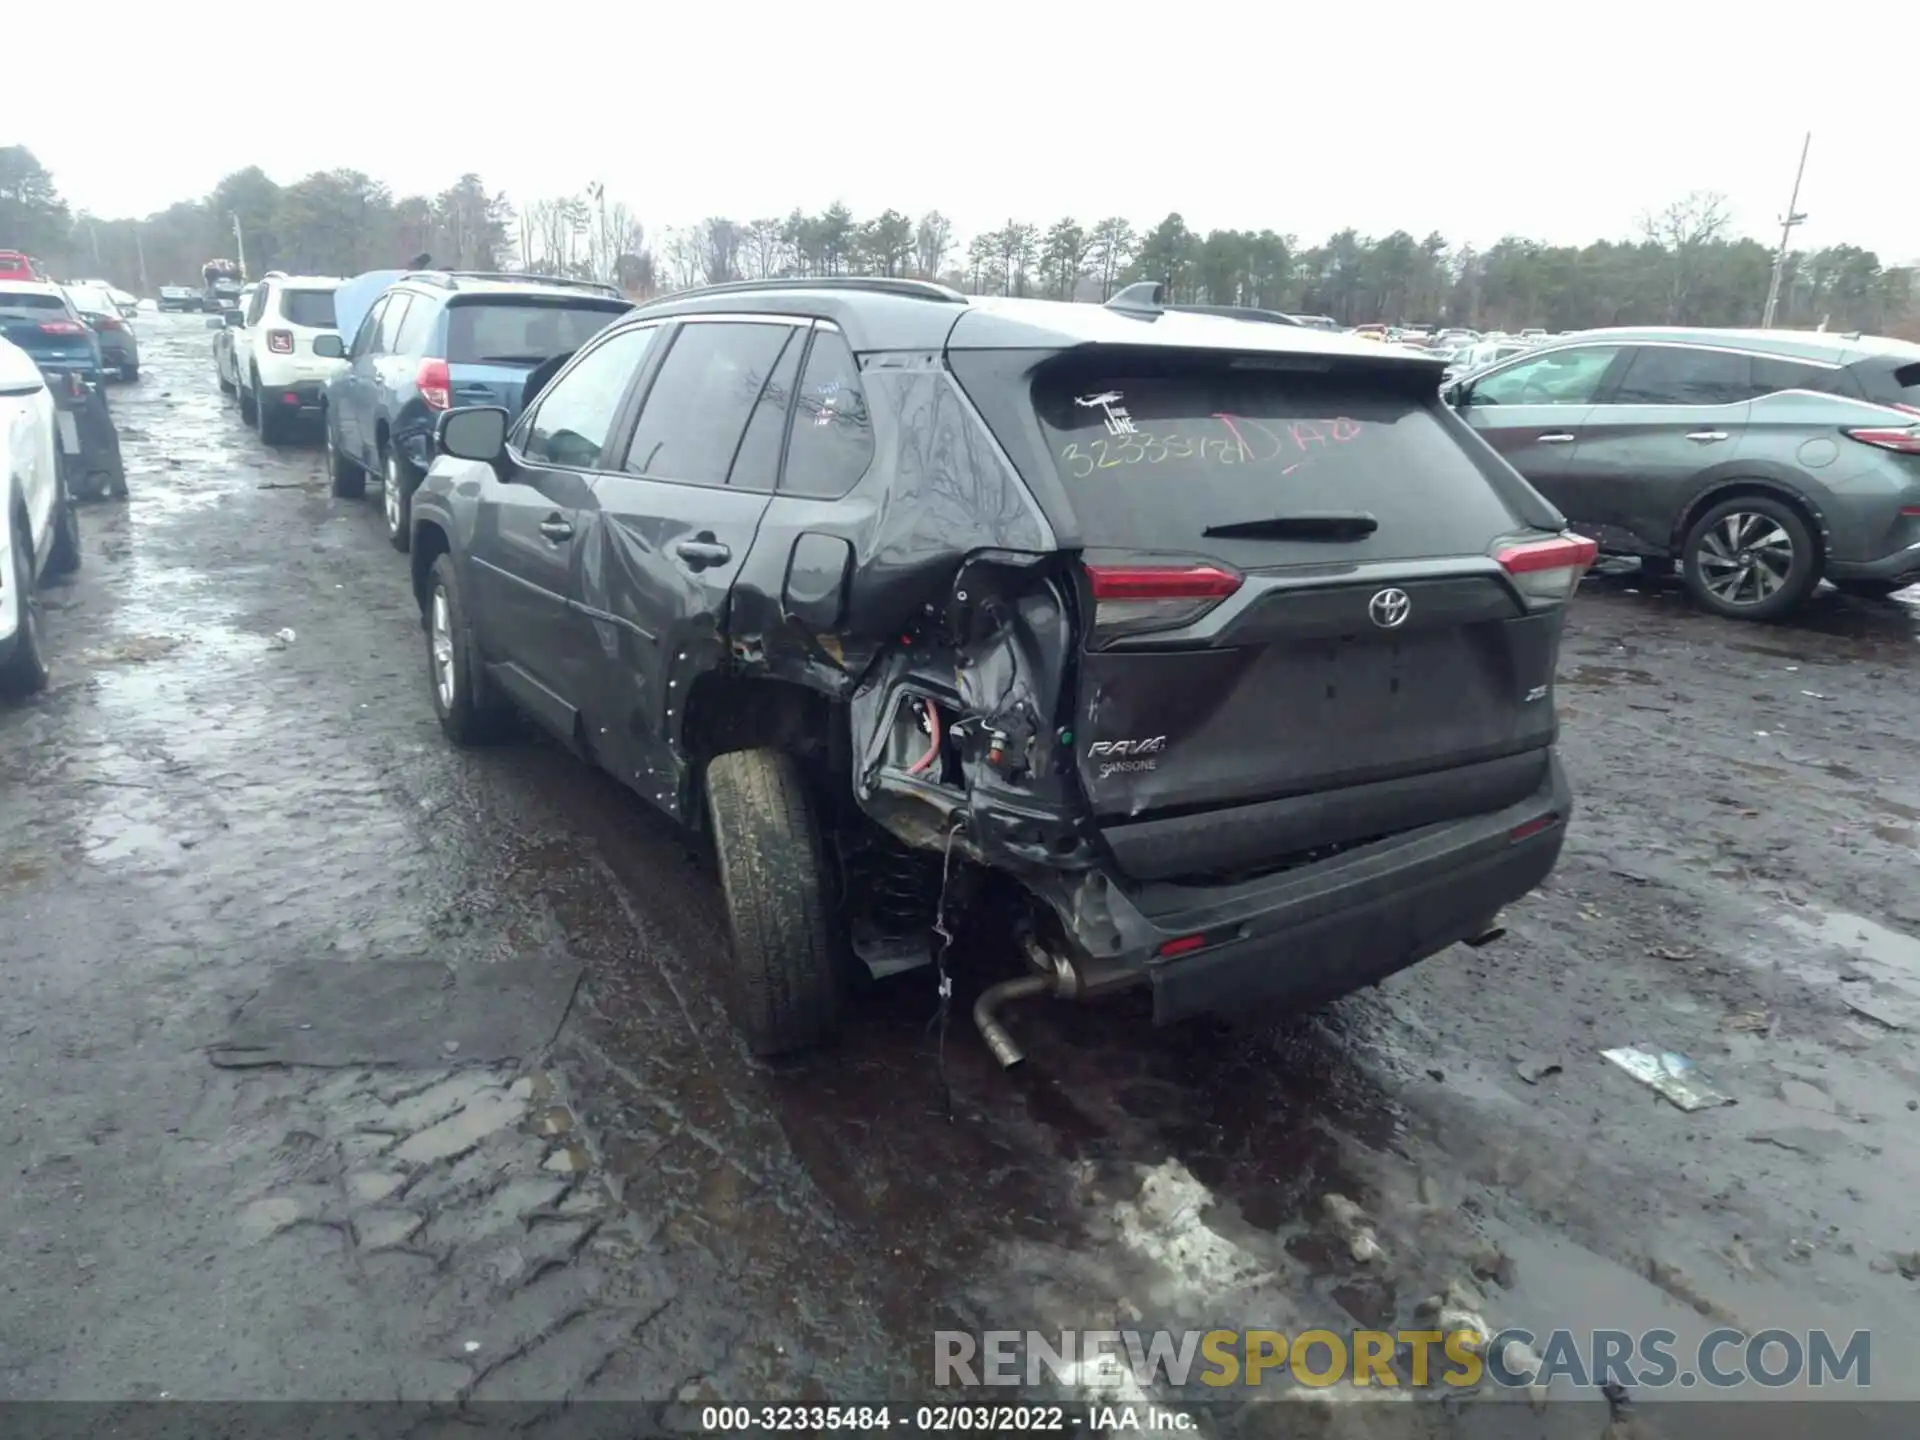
{"x":340,"y":1064}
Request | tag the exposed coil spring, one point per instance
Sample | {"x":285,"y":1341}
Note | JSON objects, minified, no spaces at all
{"x":901,"y":889}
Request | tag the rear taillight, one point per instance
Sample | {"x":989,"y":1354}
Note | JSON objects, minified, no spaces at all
{"x":280,"y":342}
{"x":435,"y":385}
{"x":1901,"y":439}
{"x":107,"y":322}
{"x":1129,"y":599}
{"x":1547,"y":571}
{"x":62,"y":327}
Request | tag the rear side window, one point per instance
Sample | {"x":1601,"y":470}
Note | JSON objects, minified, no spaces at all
{"x":417,"y":329}
{"x":832,"y":443}
{"x":1672,"y":375}
{"x":758,"y":459}
{"x":1772,"y":375}
{"x":698,"y":406}
{"x":1149,"y":464}
{"x":309,"y":309}
{"x":522,"y":332}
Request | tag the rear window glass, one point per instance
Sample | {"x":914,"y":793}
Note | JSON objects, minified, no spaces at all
{"x":310,"y":308}
{"x":1907,"y":377}
{"x":522,"y":332}
{"x":1150,"y":463}
{"x":32,"y":302}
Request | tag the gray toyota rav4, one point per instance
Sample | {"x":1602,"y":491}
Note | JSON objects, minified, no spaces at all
{"x":1229,"y":643}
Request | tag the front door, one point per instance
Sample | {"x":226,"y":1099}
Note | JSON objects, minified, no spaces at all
{"x":679,"y":516}
{"x":350,"y":390}
{"x":536,"y":521}
{"x":1534,"y":409}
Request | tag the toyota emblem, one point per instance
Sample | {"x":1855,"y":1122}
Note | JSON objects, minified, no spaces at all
{"x":1389,"y":609}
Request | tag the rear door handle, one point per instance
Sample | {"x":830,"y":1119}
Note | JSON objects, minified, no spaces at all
{"x":699,"y":554}
{"x":1559,"y":437}
{"x":1707,"y":437}
{"x":556,"y":529}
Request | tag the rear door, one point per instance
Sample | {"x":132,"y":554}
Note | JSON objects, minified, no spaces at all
{"x":1295,"y":608}
{"x":1674,"y":412}
{"x":1533,"y":408}
{"x":680,"y":514}
{"x":493,"y":342}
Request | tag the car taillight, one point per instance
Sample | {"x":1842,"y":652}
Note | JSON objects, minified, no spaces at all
{"x":1547,"y":571}
{"x":1128,"y":599}
{"x":62,"y":327}
{"x":435,"y":385}
{"x":108,"y":322}
{"x":1901,"y":439}
{"x":280,"y":342}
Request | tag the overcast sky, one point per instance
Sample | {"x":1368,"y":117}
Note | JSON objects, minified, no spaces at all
{"x":1476,"y":119}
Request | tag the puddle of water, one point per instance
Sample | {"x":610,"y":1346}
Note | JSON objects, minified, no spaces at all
{"x":1608,"y":675}
{"x":1890,"y":954}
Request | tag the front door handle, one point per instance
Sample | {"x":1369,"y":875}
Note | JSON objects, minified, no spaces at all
{"x":1707,"y":437}
{"x":556,"y":529}
{"x":1559,"y":437}
{"x":701,"y":553}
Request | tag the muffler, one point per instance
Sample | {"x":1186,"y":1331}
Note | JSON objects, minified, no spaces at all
{"x":1487,"y":936}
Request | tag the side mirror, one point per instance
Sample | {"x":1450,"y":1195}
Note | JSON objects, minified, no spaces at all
{"x":329,"y":347}
{"x":1455,"y":395}
{"x":231,"y":317}
{"x":214,"y":322}
{"x":477,"y":432}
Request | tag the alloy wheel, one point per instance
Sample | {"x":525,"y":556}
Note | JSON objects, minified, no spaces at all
{"x":441,"y":639}
{"x":1746,"y":558}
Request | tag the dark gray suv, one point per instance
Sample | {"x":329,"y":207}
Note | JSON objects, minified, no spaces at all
{"x":1759,"y":460}
{"x":1225,"y":642}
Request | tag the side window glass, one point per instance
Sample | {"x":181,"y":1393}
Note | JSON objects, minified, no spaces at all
{"x":1559,"y":377}
{"x":1672,"y":375}
{"x":1771,"y":375}
{"x":417,"y":328}
{"x":364,"y":341}
{"x":576,"y":413}
{"x":757,"y":464}
{"x":832,"y":443}
{"x":698,"y":406}
{"x":258,"y":307}
{"x":390,"y":323}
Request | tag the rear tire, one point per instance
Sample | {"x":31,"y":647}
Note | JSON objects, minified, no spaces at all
{"x":782,"y":986}
{"x":25,"y":671}
{"x":1743,"y":546}
{"x":248,"y":406}
{"x":65,"y":558}
{"x":399,"y":482}
{"x":266,"y":419}
{"x":1871,"y":589}
{"x":349,"y":480}
{"x":468,"y":714}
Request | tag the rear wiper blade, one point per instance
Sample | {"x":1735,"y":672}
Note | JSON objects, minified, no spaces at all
{"x":1332,"y":525}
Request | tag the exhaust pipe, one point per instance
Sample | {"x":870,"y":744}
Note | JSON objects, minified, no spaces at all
{"x":1487,"y":936}
{"x":991,"y":999}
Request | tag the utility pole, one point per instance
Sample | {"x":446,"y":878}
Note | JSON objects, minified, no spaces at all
{"x":597,"y":192}
{"x":240,"y":243}
{"x":93,"y":234}
{"x":1792,"y":218}
{"x":140,"y":249}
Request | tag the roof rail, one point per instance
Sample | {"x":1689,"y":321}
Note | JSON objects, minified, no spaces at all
{"x":1141,"y":298}
{"x":873,"y":284}
{"x":450,"y":279}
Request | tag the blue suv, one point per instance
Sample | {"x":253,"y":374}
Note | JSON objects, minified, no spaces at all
{"x":432,"y":341}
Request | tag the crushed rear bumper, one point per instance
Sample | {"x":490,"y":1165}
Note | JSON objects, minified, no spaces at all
{"x":1308,"y":934}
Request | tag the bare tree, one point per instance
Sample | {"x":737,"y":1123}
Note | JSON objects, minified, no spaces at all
{"x":685,"y":256}
{"x":719,"y":240}
{"x":1687,"y":229}
{"x":932,"y":241}
{"x":762,"y":249}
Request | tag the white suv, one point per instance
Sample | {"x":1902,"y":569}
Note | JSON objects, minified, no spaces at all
{"x":279,"y":377}
{"x":39,"y":532}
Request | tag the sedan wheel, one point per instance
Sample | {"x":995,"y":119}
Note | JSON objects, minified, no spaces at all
{"x":1751,"y":558}
{"x":25,"y":670}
